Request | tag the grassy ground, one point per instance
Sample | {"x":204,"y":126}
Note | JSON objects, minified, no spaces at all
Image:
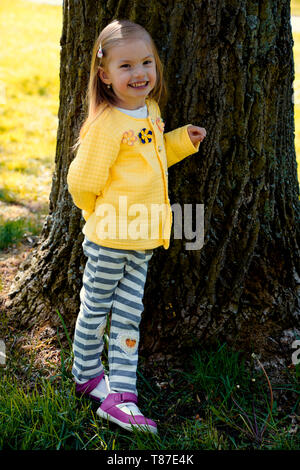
{"x":223,"y":399}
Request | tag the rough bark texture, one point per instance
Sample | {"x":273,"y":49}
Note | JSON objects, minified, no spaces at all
{"x":229,"y":68}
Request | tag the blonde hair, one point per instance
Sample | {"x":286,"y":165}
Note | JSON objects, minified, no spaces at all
{"x":98,"y":95}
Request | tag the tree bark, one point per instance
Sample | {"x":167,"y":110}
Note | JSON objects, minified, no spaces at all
{"x":229,"y":68}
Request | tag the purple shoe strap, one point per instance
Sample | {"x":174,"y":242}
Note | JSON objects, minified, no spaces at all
{"x":113,"y":399}
{"x":88,"y":386}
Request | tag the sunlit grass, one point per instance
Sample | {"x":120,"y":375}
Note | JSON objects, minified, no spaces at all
{"x":295,"y":10}
{"x":11,"y":231}
{"x":296,"y":37}
{"x":29,"y":91}
{"x":295,"y":7}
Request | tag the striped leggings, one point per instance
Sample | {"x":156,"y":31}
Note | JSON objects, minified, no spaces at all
{"x":113,"y":280}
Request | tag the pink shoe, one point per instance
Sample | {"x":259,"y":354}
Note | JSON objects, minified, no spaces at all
{"x":109,"y":410}
{"x":88,"y":387}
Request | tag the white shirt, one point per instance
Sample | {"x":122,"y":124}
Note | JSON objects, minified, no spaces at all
{"x":139,"y":113}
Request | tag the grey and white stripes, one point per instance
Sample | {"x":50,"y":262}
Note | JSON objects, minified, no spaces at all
{"x":112,"y":280}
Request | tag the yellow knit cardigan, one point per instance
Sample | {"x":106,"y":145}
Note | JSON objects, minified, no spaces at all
{"x":119,"y":178}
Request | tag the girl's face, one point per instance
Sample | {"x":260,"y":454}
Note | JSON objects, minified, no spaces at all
{"x":131,"y":72}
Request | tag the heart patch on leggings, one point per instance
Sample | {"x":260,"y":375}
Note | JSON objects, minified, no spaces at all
{"x":128,"y":343}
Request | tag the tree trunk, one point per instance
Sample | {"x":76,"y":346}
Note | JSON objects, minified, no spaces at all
{"x":229,"y":68}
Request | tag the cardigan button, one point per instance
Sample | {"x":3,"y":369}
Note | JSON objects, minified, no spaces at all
{"x":152,"y":120}
{"x":160,"y":148}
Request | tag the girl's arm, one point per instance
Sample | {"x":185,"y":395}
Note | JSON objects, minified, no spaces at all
{"x":182,"y":142}
{"x":179,"y":145}
{"x":89,"y":171}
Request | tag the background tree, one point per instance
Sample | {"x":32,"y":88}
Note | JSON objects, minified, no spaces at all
{"x":229,"y":68}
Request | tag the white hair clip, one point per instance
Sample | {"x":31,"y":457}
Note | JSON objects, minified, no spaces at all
{"x":100,"y":52}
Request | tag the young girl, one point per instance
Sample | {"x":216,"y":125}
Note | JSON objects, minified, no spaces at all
{"x":117,"y":177}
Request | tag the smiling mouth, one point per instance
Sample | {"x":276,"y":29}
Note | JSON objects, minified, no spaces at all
{"x":138,"y":84}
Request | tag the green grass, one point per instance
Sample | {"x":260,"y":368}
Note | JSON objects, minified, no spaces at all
{"x":13,"y":231}
{"x":208,"y":406}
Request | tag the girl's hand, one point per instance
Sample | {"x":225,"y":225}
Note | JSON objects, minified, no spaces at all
{"x":196,"y":134}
